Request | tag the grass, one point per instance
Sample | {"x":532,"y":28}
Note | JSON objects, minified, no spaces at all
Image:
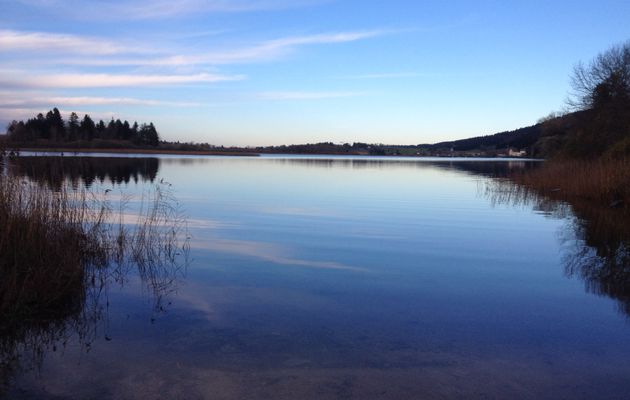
{"x":59,"y":249}
{"x":45,"y":246}
{"x":602,"y":181}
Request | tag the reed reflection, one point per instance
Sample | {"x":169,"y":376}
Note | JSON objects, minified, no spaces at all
{"x":595,"y":239}
{"x":63,"y":250}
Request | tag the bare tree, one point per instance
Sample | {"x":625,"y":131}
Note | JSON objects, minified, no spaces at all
{"x":605,"y":80}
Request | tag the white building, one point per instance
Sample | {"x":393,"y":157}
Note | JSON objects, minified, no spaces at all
{"x":516,"y":153}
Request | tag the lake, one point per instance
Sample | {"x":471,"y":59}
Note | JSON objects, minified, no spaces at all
{"x":317,"y":277}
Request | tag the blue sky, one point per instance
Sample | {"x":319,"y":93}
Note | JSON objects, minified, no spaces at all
{"x":256,"y":72}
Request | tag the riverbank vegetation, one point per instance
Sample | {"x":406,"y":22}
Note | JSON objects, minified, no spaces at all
{"x":605,"y":181}
{"x":589,"y":150}
{"x":51,"y":239}
{"x":586,"y":179}
{"x":45,"y":244}
{"x":60,"y":248}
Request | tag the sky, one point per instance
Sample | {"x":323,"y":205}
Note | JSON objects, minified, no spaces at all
{"x":269,"y":72}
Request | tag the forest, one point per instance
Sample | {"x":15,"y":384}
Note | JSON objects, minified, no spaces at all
{"x":52,"y":129}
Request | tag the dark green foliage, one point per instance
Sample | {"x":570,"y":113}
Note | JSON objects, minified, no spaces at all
{"x":87,"y":129}
{"x":147,"y":135}
{"x":52,"y":130}
{"x":72,"y":131}
{"x":522,"y":138}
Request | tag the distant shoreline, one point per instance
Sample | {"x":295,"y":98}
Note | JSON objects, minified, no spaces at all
{"x":137,"y":151}
{"x":71,"y":150}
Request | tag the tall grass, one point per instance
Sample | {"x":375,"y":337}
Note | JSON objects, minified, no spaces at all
{"x":59,"y":249}
{"x":46,"y":242}
{"x":603,"y":181}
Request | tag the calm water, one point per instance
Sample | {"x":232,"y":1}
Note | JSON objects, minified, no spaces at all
{"x":326,"y":278}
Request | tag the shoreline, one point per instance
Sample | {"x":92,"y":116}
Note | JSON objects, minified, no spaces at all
{"x":137,"y":151}
{"x":71,"y":150}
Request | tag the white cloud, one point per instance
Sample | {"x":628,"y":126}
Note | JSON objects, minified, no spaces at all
{"x":301,"y":95}
{"x":338,"y":37}
{"x":11,"y":100}
{"x":264,"y":51}
{"x":11,"y":40}
{"x":17,"y":113}
{"x":269,"y":49}
{"x":158,"y":9}
{"x":78,"y":80}
{"x":65,"y":49}
{"x":387,"y":75}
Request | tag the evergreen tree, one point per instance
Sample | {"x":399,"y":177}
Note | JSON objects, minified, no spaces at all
{"x":118,"y":129}
{"x":87,"y":129}
{"x":73,"y":127}
{"x":110,"y":132}
{"x":100,"y":130}
{"x":55,"y":125}
{"x":126,"y":131}
{"x":51,"y":127}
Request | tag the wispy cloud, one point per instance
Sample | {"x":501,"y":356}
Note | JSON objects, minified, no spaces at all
{"x":273,"y":48}
{"x":21,"y":113}
{"x":301,"y":95}
{"x":22,"y":41}
{"x":160,"y":9}
{"x":386,"y":75}
{"x":14,"y":99}
{"x":84,"y":51}
{"x":17,"y":113}
{"x":263,"y":51}
{"x":79,"y":80}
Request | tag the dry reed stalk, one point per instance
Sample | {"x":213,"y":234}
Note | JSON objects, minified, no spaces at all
{"x":605,"y":181}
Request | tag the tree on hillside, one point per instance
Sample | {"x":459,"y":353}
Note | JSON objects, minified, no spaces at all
{"x":602,"y":90}
{"x":604,"y":81}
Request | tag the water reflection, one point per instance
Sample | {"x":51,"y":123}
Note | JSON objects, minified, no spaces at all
{"x":54,"y":171}
{"x":595,"y":239}
{"x":354,"y":278}
{"x":485,"y":167}
{"x":601,"y":256}
{"x":150,"y":254}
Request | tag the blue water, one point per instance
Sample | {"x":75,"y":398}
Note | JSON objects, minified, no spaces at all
{"x":341,"y":277}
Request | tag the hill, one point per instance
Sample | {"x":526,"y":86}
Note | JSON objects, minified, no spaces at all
{"x":522,"y":139}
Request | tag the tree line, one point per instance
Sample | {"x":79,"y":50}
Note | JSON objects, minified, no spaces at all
{"x":601,"y":97}
{"x":52,"y":128}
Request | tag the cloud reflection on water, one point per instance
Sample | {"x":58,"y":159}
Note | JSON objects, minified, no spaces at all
{"x":265,"y":251}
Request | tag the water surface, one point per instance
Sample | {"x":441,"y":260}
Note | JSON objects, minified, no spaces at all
{"x":341,"y":277}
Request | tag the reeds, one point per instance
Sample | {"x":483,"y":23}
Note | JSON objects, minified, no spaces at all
{"x":57,"y":247}
{"x":45,"y":245}
{"x":61,"y":247}
{"x":603,"y":181}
